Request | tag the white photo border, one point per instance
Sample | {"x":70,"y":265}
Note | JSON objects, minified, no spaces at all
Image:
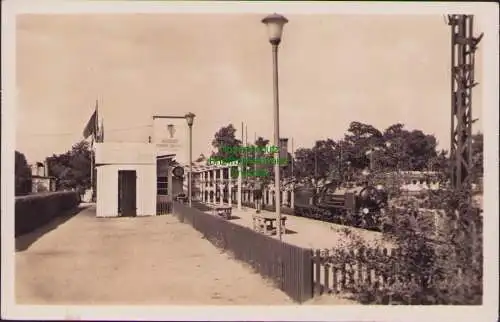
{"x":489,"y":88}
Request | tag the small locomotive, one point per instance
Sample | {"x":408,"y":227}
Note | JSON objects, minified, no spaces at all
{"x":359,"y":205}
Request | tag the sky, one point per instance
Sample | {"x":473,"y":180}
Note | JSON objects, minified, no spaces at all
{"x":333,"y":69}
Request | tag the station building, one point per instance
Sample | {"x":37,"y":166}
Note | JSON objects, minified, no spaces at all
{"x":135,"y":179}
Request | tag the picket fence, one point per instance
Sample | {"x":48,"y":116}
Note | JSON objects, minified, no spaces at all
{"x":338,"y":271}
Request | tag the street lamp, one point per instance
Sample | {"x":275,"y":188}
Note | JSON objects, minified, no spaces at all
{"x":275,"y":23}
{"x":190,"y":120}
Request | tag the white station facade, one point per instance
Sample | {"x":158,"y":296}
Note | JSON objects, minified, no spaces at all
{"x":126,"y":179}
{"x":132,"y":178}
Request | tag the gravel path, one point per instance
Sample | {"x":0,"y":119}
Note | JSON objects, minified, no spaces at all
{"x":151,"y":260}
{"x":315,"y":234}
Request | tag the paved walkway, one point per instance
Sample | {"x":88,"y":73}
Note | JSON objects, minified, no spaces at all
{"x":309,"y":233}
{"x":151,"y":260}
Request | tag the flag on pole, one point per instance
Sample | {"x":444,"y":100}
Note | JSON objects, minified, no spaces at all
{"x":92,"y":125}
{"x":100,"y":131}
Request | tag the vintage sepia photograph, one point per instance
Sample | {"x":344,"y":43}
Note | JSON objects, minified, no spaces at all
{"x":251,"y":157}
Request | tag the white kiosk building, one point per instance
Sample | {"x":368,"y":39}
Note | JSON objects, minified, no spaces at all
{"x":126,"y":179}
{"x":131,"y":178}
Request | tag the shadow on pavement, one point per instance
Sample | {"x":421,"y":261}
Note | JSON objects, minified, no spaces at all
{"x":23,"y":242}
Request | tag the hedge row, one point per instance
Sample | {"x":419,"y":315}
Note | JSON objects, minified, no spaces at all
{"x":33,"y":211}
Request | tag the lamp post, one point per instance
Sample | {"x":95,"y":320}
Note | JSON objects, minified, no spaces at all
{"x":275,"y":25}
{"x":190,"y":119}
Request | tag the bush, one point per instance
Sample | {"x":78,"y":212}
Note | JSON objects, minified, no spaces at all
{"x":36,"y":210}
{"x":439,"y":266}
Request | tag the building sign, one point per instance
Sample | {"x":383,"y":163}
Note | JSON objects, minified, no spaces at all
{"x":124,"y":153}
{"x":170,"y":135}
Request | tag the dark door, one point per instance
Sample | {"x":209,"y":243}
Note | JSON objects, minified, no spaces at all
{"x":127,"y":193}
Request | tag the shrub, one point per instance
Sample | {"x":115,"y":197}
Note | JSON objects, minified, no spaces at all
{"x":33,"y":211}
{"x":437,"y":267}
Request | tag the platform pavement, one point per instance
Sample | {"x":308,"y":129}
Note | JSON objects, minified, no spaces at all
{"x":131,"y":261}
{"x":309,"y":233}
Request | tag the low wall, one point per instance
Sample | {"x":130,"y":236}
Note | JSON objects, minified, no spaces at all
{"x":36,"y":210}
{"x":288,"y":266}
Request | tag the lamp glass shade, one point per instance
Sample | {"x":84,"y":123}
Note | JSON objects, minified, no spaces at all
{"x":275,"y":25}
{"x":190,"y":118}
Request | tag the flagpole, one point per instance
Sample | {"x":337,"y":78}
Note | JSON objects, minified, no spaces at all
{"x":92,"y":168}
{"x":255,"y":153}
{"x":242,"y":154}
{"x":315,"y":164}
{"x":95,"y":138}
{"x":96,"y":124}
{"x":240,"y":170}
{"x":246,"y":135}
{"x":246,"y":146}
{"x":293,"y":158}
{"x":242,"y":133}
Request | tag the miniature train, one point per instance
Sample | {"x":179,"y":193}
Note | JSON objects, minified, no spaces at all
{"x":360,"y":205}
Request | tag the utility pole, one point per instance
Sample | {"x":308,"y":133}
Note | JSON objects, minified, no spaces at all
{"x":255,"y":153}
{"x":315,"y":165}
{"x":463,"y":48}
{"x":340,"y":161}
{"x":292,"y":161}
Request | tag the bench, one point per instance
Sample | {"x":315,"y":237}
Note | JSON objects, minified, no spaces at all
{"x":222,"y":211}
{"x":266,"y":224}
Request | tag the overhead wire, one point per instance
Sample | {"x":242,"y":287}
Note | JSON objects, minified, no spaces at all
{"x":76,"y":133}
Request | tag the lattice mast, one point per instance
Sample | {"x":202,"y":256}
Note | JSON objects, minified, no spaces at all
{"x":463,"y":48}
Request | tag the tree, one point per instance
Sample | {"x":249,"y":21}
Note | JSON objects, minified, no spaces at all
{"x":261,"y":143}
{"x":260,"y":156}
{"x":325,"y":156}
{"x":440,"y":162}
{"x":72,"y":169}
{"x":320,"y":161}
{"x":420,"y":148}
{"x":304,"y":163}
{"x":406,"y":150}
{"x":360,"y":140}
{"x":365,"y":146}
{"x":224,"y":140}
{"x":22,"y":175}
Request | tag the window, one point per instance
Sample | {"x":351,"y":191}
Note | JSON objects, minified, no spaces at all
{"x":162,"y":186}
